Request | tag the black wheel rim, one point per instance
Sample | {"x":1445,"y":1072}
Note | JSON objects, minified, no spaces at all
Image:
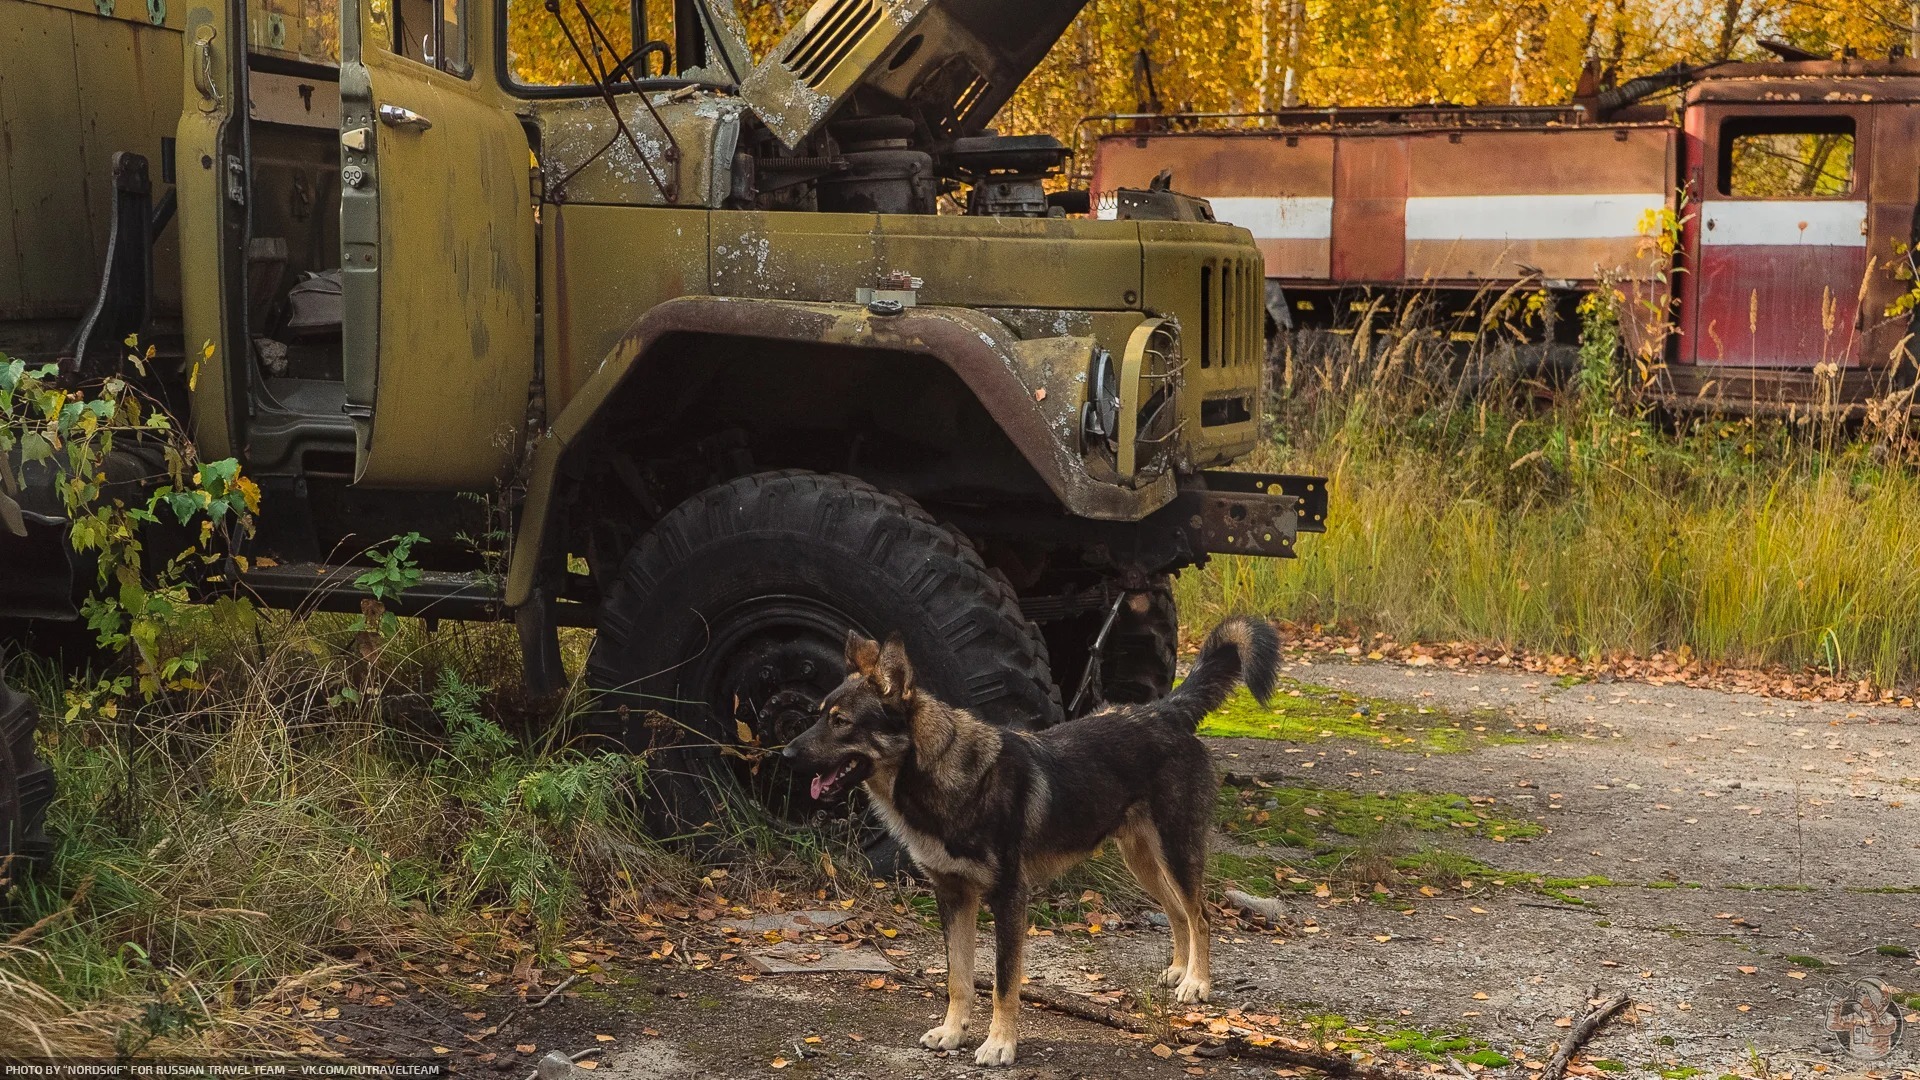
{"x":768,"y":663}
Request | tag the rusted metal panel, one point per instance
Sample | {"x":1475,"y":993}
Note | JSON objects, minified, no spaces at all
{"x":1278,"y":186}
{"x":1779,"y":282}
{"x":1370,"y":209}
{"x":1566,"y":203}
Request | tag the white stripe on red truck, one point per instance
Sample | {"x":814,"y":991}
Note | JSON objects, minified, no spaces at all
{"x":1768,"y":222}
{"x":1284,"y":217}
{"x":1529,"y":217}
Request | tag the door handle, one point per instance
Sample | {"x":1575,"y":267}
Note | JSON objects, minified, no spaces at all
{"x":395,"y":116}
{"x":203,"y":74}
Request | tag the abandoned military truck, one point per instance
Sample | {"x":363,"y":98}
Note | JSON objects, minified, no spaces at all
{"x":752,"y":351}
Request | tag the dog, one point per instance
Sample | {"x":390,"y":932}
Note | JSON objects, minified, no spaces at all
{"x":989,"y":813}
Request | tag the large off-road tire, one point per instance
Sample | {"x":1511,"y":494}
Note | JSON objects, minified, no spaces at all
{"x":747,"y":591}
{"x":26,"y":787}
{"x":1138,"y":661}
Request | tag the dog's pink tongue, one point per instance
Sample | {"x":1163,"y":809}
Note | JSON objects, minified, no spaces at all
{"x":818,"y":783}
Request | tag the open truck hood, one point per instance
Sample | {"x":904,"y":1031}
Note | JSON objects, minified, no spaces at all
{"x":948,"y":64}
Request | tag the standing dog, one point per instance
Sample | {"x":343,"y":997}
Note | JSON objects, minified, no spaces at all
{"x":989,"y":813}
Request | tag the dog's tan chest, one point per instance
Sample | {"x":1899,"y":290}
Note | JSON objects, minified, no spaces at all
{"x":929,"y":851}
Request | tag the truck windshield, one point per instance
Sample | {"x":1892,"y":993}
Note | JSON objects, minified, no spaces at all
{"x":538,"y":54}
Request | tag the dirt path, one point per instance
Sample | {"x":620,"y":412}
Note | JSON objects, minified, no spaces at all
{"x":1734,"y":863}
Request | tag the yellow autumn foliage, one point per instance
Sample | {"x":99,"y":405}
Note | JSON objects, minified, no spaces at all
{"x":1254,"y":55}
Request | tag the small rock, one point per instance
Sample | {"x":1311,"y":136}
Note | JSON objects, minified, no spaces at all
{"x":557,"y":1066}
{"x":1159,"y":918}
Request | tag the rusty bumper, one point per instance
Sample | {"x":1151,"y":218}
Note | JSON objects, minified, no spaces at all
{"x":1244,"y":513}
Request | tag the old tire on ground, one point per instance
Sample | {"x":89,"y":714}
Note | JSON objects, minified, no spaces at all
{"x":1141,"y":651}
{"x":26,"y":787}
{"x":746,"y":591}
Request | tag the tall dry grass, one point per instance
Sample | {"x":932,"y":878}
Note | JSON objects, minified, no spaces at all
{"x":1562,"y":515}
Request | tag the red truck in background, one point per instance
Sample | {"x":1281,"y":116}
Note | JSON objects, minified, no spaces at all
{"x":1787,"y":192}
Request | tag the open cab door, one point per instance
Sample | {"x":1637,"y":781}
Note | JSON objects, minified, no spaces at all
{"x":437,"y":247}
{"x":212,"y":206}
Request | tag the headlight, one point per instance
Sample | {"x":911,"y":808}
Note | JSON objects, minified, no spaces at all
{"x":1100,"y":417}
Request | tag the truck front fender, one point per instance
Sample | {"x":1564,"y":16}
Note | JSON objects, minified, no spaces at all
{"x":1033,"y":390}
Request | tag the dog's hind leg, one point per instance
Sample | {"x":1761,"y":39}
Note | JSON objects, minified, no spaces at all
{"x":1181,"y":824}
{"x":1009,"y":904}
{"x":959,"y":904}
{"x":1140,"y":847}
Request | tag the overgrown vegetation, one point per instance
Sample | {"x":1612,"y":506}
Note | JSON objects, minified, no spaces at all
{"x":303,"y":808}
{"x":1571,"y":518}
{"x":248,"y":801}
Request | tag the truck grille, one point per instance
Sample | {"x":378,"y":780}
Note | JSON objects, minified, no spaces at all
{"x":1230,"y":289}
{"x":831,"y":38}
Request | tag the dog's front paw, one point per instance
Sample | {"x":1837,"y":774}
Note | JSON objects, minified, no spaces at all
{"x":997,"y":1050}
{"x":1192,"y":990}
{"x":1173,"y":976}
{"x":944,"y":1037}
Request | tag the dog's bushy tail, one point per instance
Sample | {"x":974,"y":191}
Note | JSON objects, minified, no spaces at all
{"x":1241,"y":649}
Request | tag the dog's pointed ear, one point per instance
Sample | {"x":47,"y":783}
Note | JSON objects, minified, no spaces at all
{"x":892,"y":675}
{"x":862,"y":653}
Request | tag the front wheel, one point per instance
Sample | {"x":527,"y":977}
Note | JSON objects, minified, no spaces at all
{"x":730,"y":617}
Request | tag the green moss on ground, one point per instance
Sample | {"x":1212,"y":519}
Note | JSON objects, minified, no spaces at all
{"x":1305,"y":712}
{"x":1357,"y":842}
{"x":1301,"y":816}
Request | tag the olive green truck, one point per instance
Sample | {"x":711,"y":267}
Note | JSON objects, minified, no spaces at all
{"x":749,"y":351}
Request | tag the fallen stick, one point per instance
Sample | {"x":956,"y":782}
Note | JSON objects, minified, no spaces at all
{"x":556,"y":991}
{"x":1578,"y":1035}
{"x":541,"y":1004}
{"x":1079,"y":1007}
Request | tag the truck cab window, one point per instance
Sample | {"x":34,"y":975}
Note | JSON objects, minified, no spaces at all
{"x":433,"y":32}
{"x":1797,"y":158}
